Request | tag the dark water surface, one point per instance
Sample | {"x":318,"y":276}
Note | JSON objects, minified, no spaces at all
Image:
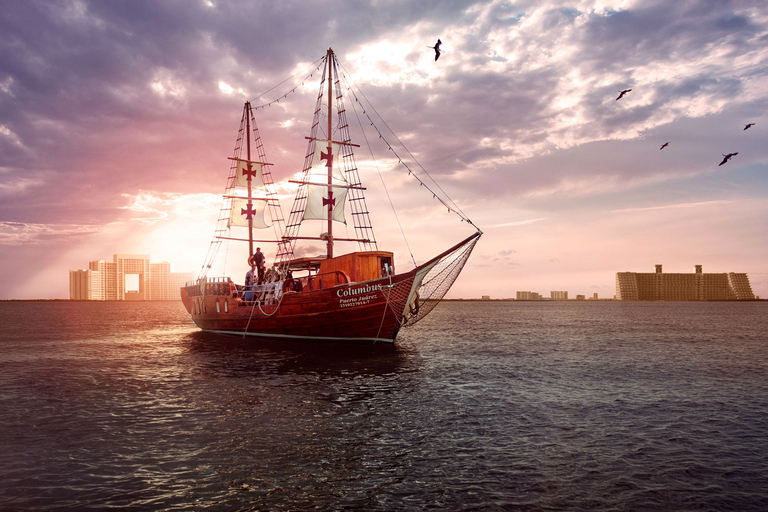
{"x":481,"y":406}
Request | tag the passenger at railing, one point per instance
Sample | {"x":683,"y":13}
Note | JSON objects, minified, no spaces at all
{"x":250,"y":280}
{"x":271,"y":275}
{"x":295,"y":284}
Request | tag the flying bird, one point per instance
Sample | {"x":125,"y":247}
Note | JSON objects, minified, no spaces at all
{"x":622,"y":93}
{"x":436,"y":48}
{"x":664,"y":145}
{"x":750,"y":125}
{"x":727,"y":157}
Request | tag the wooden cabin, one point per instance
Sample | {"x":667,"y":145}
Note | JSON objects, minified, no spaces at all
{"x":361,"y":266}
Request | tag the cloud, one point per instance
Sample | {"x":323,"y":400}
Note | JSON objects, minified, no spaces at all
{"x":515,"y":223}
{"x":672,"y":206}
{"x":17,"y":233}
{"x":116,"y":113}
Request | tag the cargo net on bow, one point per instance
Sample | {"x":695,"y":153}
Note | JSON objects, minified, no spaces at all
{"x":438,"y":280}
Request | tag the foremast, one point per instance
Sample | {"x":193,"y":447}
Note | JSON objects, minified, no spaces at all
{"x":249,"y":162}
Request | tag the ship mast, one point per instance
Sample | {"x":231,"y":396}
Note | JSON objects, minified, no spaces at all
{"x":329,"y":160}
{"x":347,"y":181}
{"x":250,"y":174}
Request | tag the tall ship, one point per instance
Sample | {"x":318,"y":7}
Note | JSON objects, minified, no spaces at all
{"x":358,"y":297}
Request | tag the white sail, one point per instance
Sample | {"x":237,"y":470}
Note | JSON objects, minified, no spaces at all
{"x":317,"y":194}
{"x":317,"y":203}
{"x":238,"y":216}
{"x":241,"y":178}
{"x":319,"y":170}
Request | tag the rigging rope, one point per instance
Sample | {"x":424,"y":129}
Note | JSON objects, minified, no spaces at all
{"x":258,"y":303}
{"x":452,"y":208}
{"x":319,"y":62}
{"x":386,"y":307}
{"x":383,"y":184}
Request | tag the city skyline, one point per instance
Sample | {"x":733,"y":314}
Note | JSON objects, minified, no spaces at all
{"x":116,"y":125}
{"x":127,"y":277}
{"x":666,"y":286}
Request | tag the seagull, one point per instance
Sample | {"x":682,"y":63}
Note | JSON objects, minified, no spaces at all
{"x":727,"y":157}
{"x":436,"y":48}
{"x":622,"y":93}
{"x":664,"y":145}
{"x":750,"y":125}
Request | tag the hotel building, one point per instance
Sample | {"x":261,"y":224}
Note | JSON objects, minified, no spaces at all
{"x":678,"y":287}
{"x":127,"y":277}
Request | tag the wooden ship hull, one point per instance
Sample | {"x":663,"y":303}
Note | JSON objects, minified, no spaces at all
{"x":353,"y":297}
{"x":368,"y":312}
{"x":339,"y":303}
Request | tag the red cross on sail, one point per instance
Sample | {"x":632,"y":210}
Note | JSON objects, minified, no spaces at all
{"x":241,"y":212}
{"x":242,"y":174}
{"x":328,"y":157}
{"x":318,"y":197}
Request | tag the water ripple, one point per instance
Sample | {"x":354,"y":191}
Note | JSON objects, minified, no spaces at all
{"x":482,"y":406}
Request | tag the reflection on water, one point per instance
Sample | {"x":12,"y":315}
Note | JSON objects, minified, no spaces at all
{"x":488,"y":406}
{"x":289,"y":357}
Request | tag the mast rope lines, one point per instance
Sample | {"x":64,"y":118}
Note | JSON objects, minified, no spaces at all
{"x":386,"y":190}
{"x":452,"y":207}
{"x":319,"y":62}
{"x":387,"y":306}
{"x":258,"y":303}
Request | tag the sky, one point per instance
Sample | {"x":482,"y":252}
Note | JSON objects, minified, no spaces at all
{"x":117,"y":118}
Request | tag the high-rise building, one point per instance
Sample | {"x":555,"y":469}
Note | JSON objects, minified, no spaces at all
{"x":107,"y":277}
{"x":127,"y":277}
{"x":676,"y":287}
{"x":132,"y":276}
{"x":84,"y":285}
{"x":558,"y":295}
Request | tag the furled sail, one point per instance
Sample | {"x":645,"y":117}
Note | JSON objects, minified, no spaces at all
{"x":318,"y":190}
{"x":240,"y":213}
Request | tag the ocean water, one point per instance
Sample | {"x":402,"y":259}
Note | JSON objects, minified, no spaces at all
{"x":482,"y":406}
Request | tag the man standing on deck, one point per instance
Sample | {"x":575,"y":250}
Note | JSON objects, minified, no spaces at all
{"x":250,"y":280}
{"x":258,"y":260}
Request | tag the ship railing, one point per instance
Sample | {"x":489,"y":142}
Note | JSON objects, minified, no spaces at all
{"x":211,"y":286}
{"x":266,"y":295}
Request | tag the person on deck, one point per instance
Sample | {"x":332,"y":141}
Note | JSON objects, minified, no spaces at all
{"x":271,"y":275}
{"x":258,"y":260}
{"x":250,"y":277}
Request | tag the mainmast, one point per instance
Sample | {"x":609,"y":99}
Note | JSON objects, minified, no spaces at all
{"x":315,"y":198}
{"x":329,"y":161}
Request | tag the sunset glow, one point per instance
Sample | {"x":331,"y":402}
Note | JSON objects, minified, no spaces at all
{"x":115,"y":129}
